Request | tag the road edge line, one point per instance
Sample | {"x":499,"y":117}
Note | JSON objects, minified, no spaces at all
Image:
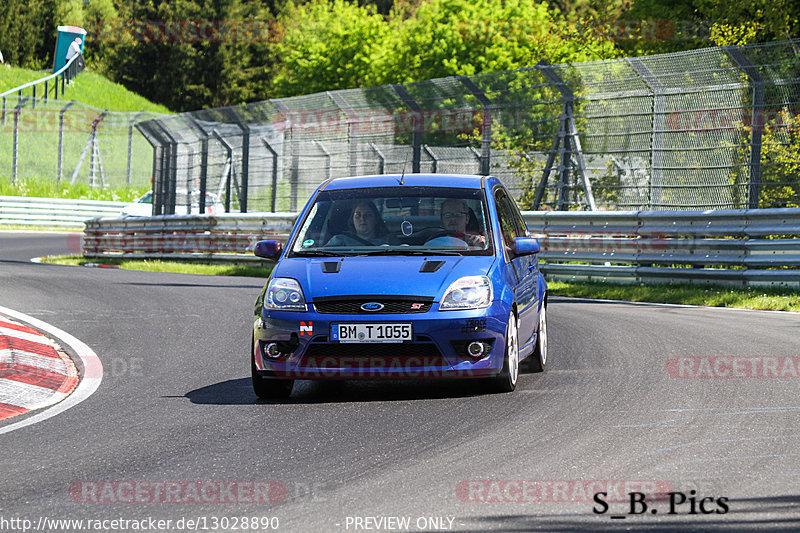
{"x":90,"y":380}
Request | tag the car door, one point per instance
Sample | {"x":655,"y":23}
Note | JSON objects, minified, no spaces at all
{"x":523,"y":266}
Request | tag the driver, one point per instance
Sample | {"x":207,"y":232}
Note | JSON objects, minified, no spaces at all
{"x":365,"y":227}
{"x":455,"y":215}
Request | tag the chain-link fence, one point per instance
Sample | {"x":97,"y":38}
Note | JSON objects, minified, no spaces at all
{"x":712,"y":128}
{"x":69,"y":142}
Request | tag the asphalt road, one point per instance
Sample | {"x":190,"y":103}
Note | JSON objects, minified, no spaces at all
{"x":175,"y":407}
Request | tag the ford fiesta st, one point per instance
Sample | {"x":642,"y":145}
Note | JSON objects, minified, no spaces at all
{"x":415,"y":276}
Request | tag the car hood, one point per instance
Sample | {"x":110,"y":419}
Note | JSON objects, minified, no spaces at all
{"x":381,"y":275}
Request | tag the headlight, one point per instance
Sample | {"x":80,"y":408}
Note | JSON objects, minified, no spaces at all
{"x":285,"y":294}
{"x":469,"y":292}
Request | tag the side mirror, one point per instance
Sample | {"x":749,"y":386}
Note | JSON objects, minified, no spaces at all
{"x":268,"y":249}
{"x":526,"y":246}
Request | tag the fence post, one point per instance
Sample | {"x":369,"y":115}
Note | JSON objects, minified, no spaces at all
{"x":243,"y":192}
{"x":203,"y":159}
{"x":148,"y":130}
{"x":435,"y":159}
{"x":15,"y":148}
{"x":756,"y":121}
{"x":61,"y":141}
{"x":130,"y":146}
{"x":548,"y":167}
{"x":659,"y":125}
{"x":164,"y":203}
{"x":417,"y":136}
{"x":327,"y":154}
{"x":91,"y":144}
{"x":229,"y":149}
{"x":486,"y":123}
{"x":352,"y":120}
{"x":294,"y":170}
{"x":381,"y":157}
{"x":572,"y":142}
{"x":274,"y":199}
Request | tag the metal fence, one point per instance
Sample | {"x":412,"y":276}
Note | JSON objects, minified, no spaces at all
{"x":62,"y":77}
{"x":54,"y":212}
{"x":747,"y":247}
{"x":68,"y":142}
{"x":712,"y":128}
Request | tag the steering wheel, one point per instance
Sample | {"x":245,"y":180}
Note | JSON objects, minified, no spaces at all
{"x":359,"y":239}
{"x":448,"y":233}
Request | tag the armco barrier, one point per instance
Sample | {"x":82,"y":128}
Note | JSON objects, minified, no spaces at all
{"x":739,"y":247}
{"x":219,"y":237}
{"x":732,"y":247}
{"x":55,"y":212}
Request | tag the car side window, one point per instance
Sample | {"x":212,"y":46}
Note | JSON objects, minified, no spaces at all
{"x":508,"y":226}
{"x":523,"y":227}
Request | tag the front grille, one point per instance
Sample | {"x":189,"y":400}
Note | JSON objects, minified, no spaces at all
{"x":365,"y":356}
{"x":353,"y":307}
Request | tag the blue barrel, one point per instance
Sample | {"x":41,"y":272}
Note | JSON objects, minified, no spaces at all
{"x":66,"y":35}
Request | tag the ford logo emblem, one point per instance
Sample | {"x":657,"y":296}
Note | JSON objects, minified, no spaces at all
{"x":372,"y":306}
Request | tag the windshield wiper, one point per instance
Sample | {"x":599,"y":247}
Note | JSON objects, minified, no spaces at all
{"x":401,"y":251}
{"x":319,"y":253}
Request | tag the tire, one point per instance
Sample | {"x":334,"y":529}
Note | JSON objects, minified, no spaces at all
{"x":268,"y":388}
{"x":507,"y":380}
{"x":538,"y":359}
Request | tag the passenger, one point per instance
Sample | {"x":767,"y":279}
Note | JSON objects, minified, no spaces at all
{"x":365,"y":227}
{"x":455,"y":216}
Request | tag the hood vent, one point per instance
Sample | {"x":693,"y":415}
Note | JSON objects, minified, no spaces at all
{"x":331,"y":267}
{"x":431,"y":266}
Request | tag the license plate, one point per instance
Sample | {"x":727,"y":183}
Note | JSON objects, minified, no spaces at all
{"x":372,"y":332}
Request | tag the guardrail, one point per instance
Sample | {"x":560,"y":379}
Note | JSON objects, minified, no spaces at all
{"x":55,"y":212}
{"x":220,"y":237}
{"x":735,"y":247}
{"x":741,"y":247}
{"x":73,"y":67}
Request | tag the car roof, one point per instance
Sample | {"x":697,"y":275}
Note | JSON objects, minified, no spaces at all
{"x":409,"y":180}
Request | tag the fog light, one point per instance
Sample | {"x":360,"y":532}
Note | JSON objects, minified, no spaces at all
{"x":476,"y":349}
{"x":273,"y":351}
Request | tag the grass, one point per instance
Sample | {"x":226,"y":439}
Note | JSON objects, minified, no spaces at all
{"x":48,"y":188}
{"x":38,"y":132}
{"x":775,"y":299}
{"x":179,"y":267}
{"x":36,"y":227}
{"x":87,"y":88}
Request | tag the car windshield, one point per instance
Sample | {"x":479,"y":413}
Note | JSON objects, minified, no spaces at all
{"x":396,"y":221}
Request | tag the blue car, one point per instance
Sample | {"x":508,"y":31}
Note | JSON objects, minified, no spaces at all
{"x":401,"y":276}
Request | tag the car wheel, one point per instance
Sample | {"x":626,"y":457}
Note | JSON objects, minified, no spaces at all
{"x":507,"y":380}
{"x":268,"y":388}
{"x":538,"y":358}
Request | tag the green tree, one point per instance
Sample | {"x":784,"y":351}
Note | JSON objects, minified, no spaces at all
{"x":750,"y":21}
{"x":327,"y":45}
{"x":28,"y":32}
{"x":464,"y":37}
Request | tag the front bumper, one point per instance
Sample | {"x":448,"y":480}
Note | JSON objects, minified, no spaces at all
{"x":438,"y":348}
